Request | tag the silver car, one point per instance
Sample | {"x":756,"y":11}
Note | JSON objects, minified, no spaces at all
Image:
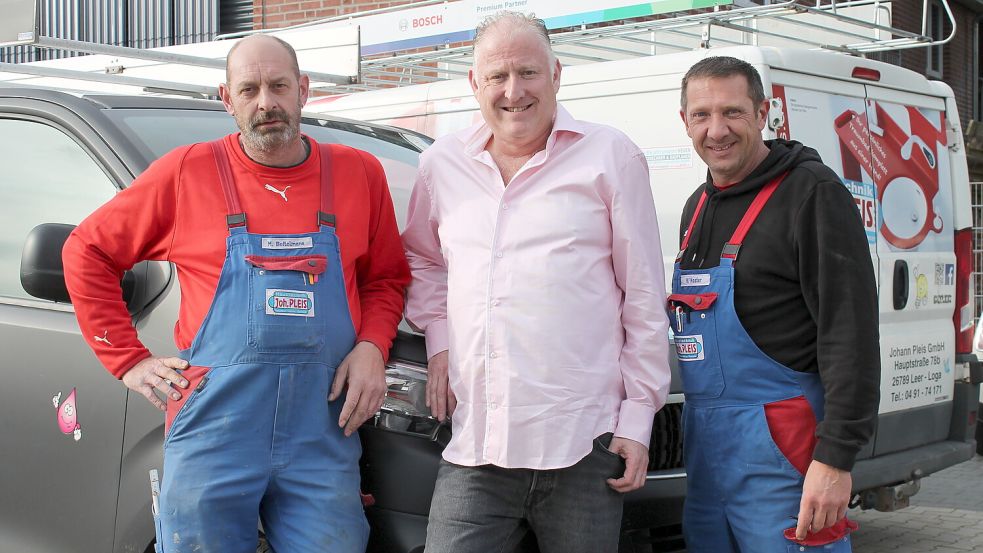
{"x":76,"y":446}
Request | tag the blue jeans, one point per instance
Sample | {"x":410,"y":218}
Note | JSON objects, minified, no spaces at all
{"x":488,"y":509}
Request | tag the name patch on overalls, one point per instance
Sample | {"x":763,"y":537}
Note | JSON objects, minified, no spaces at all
{"x":287,"y":243}
{"x":702,"y":279}
{"x":291,"y":303}
{"x":689,"y":348}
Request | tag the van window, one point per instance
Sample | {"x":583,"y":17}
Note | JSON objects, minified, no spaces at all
{"x":46,"y":177}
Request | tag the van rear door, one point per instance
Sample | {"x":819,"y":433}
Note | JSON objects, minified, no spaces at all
{"x":889,"y":148}
{"x":915,"y":242}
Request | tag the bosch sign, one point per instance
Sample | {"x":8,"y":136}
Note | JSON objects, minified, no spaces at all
{"x":428,"y":21}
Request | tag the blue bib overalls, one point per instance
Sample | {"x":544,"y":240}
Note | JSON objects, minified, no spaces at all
{"x":257,"y":435}
{"x":742,"y":491}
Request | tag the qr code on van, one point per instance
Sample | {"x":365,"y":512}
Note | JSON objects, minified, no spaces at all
{"x":945,"y":274}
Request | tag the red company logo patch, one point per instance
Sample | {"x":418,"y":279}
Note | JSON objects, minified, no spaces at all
{"x":295,"y":303}
{"x":689,"y":348}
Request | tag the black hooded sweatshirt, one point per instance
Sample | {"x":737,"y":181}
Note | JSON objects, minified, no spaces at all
{"x":804,"y":285}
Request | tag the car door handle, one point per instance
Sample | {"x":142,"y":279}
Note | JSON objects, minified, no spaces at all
{"x":900,"y":284}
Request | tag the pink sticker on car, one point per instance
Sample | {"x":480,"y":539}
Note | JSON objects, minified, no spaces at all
{"x":67,"y":417}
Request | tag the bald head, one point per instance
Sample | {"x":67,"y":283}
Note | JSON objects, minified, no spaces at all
{"x":265,"y":92}
{"x":256,"y":45}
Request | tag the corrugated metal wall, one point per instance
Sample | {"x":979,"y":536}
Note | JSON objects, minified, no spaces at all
{"x":134,"y":23}
{"x":237,"y":15}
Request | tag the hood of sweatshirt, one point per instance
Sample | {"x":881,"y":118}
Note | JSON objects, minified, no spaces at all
{"x":783,"y":156}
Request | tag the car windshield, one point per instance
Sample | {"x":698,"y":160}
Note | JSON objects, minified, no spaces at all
{"x":157,"y":131}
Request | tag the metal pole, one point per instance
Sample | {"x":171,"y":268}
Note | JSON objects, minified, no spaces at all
{"x":77,"y":75}
{"x":164,"y":57}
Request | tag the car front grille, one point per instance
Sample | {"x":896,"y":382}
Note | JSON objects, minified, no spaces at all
{"x":666,"y":447}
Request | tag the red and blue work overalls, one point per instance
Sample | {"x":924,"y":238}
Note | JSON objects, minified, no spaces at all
{"x":257,"y":434}
{"x":743,"y":491}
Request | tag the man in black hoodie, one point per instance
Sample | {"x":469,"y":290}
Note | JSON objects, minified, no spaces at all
{"x":774,"y":312}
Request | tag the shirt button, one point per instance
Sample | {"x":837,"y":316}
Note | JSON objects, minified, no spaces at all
{"x":499,"y":254}
{"x":505,"y":206}
{"x":494,"y":355}
{"x":495,"y":303}
{"x":492,"y":406}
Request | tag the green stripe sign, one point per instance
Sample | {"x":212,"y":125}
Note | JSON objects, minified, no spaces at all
{"x":629,"y":12}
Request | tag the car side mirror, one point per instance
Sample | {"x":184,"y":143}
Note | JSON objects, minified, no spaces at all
{"x":41,"y":271}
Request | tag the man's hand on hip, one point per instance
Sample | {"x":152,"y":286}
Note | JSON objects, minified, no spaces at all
{"x":825,"y":497}
{"x":440,"y":397}
{"x":157,"y":373}
{"x":364,"y":371}
{"x":636,"y":458}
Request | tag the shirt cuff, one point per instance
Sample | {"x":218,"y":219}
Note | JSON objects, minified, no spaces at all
{"x":635,"y":422}
{"x":436,"y":337}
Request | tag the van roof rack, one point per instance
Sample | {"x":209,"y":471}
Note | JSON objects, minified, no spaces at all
{"x":328,"y":57}
{"x":856,"y":27}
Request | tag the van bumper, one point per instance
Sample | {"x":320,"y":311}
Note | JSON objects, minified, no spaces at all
{"x":903,"y":466}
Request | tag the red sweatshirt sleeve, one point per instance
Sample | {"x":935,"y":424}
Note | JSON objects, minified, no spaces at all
{"x":382,"y":273}
{"x":135,"y":225}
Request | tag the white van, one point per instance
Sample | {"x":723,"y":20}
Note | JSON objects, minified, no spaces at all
{"x":895,"y":139}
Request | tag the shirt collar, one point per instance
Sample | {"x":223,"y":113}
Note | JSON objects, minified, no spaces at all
{"x":476,"y":137}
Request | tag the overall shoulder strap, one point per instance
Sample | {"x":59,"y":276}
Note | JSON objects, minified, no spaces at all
{"x":692,"y":223}
{"x":733,"y":246}
{"x":326,"y":216}
{"x":235,"y":216}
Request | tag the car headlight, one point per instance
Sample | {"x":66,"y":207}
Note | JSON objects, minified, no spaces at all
{"x":405,"y":408}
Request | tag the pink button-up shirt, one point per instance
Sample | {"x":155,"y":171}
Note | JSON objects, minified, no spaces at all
{"x":549,"y":293}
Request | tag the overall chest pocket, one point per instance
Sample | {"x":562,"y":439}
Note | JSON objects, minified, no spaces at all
{"x":284,"y":292}
{"x":695,"y":337}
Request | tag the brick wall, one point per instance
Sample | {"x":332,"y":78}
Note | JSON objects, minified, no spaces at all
{"x":957,"y":55}
{"x":272,"y":14}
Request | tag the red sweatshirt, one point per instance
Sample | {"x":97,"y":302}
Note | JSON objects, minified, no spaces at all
{"x":175,"y":211}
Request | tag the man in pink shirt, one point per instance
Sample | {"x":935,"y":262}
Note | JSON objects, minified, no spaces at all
{"x":538,"y":280}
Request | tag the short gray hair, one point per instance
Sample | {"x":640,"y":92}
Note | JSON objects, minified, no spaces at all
{"x":514,"y":21}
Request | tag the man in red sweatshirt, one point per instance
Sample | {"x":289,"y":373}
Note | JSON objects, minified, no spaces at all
{"x":292,"y":278}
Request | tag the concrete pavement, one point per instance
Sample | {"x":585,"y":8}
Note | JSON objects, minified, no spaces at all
{"x":945,"y":516}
